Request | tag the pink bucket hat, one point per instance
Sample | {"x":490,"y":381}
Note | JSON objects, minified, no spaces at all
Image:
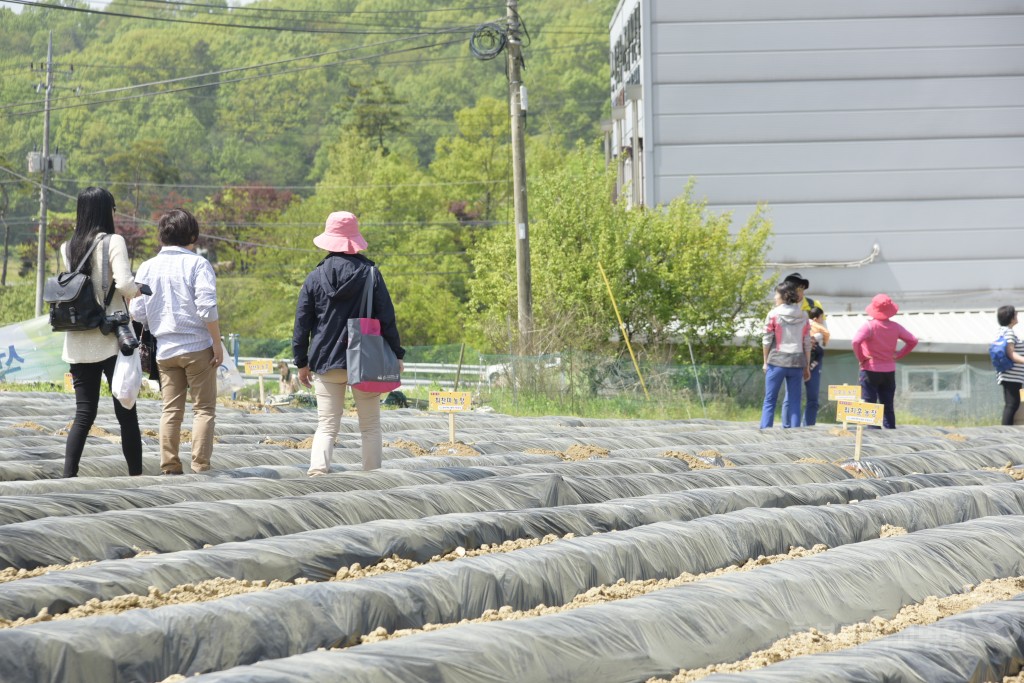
{"x":341,"y":234}
{"x":882,"y":307}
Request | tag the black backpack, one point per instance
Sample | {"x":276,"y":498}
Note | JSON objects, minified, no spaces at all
{"x":72,"y":297}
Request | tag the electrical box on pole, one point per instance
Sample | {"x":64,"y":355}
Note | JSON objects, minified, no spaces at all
{"x":58,"y":162}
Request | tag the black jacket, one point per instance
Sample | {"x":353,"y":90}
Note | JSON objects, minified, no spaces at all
{"x":332,"y":294}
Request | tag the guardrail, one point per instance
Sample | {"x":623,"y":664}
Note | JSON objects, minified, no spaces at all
{"x":415,"y":374}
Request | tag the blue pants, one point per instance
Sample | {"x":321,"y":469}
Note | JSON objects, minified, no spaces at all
{"x":880,"y":387}
{"x":812,"y":388}
{"x":773,"y":381}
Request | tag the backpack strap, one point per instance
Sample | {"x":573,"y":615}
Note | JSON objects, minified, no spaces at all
{"x":106,"y":277}
{"x":85,"y":259}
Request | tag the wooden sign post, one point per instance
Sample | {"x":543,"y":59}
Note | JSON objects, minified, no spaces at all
{"x":450,"y":402}
{"x":260,"y":368}
{"x":844,"y":393}
{"x":860,"y":414}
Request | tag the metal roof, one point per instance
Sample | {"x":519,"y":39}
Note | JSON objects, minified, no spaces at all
{"x":967,"y":332}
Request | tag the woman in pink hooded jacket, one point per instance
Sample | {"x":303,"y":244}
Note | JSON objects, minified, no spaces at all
{"x":874,"y":345}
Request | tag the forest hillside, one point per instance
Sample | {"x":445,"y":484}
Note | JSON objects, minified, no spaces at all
{"x":265,"y":117}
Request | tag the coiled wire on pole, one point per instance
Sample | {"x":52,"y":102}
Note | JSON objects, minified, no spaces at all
{"x":488,"y":41}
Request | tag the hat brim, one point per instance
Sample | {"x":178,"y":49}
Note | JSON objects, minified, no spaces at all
{"x":880,"y":314}
{"x":799,"y":282}
{"x":340,"y":244}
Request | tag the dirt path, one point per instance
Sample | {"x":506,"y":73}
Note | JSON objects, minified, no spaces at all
{"x":12,"y":574}
{"x":620,"y":590}
{"x":215,"y":589}
{"x":574,"y":453}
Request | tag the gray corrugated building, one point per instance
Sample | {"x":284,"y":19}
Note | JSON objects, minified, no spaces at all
{"x":886,"y":138}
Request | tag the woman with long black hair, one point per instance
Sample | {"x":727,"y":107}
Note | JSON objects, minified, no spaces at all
{"x":91,"y":353}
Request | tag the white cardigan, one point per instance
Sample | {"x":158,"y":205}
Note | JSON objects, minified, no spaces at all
{"x":92,"y":346}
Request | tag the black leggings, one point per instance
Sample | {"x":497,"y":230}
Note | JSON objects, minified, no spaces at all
{"x":86,"y":379}
{"x":1011,"y":398}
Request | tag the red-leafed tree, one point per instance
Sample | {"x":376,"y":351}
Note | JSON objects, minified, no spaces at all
{"x":234,"y":221}
{"x":58,"y":231}
{"x":139,"y":238}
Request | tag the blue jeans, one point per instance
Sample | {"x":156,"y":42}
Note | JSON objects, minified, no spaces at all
{"x":880,"y":387}
{"x":773,"y":381}
{"x":812,"y":387}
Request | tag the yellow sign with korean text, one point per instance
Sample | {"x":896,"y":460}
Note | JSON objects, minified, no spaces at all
{"x":69,"y":385}
{"x":259,"y":367}
{"x":450,"y":401}
{"x":859,"y":413}
{"x":844,"y":392}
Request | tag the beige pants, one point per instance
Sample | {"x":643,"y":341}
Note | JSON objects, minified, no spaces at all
{"x":330,"y":404}
{"x":194,"y":373}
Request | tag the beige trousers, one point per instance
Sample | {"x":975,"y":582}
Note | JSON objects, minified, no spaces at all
{"x":194,"y":373}
{"x":330,"y":404}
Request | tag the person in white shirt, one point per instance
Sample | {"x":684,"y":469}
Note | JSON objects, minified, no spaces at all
{"x":91,"y":353}
{"x":1013,"y":379}
{"x":182,"y":315}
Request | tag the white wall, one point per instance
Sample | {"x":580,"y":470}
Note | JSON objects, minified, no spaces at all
{"x":899,"y":124}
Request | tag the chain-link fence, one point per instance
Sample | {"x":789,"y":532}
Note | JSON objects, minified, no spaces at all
{"x":962,"y":393}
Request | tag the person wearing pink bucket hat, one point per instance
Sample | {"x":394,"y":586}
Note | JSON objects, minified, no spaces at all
{"x":341,"y":234}
{"x":874,"y":345}
{"x":331,"y":294}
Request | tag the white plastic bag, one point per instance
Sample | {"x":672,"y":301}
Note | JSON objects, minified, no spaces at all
{"x":228,"y":378}
{"x":127,"y":379}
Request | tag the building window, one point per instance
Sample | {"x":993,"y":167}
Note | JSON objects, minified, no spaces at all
{"x":945,"y":381}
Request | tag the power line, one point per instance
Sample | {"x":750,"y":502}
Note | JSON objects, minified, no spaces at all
{"x":236,"y":69}
{"x":468,"y":225}
{"x":217,"y":238}
{"x":410,"y":225}
{"x":27,"y":103}
{"x":235,"y":80}
{"x":295,"y":29}
{"x":173,"y":3}
{"x":284,"y":187}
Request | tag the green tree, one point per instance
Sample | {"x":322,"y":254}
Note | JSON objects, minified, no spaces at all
{"x":476,"y":163}
{"x":145,"y":162}
{"x":677,"y":272}
{"x":233,"y":222}
{"x":374,"y":112}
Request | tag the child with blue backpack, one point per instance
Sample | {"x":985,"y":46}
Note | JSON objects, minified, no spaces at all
{"x":1012,"y":378}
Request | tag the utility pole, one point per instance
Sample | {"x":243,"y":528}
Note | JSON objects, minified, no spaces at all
{"x":41,"y":251}
{"x":7,"y":231}
{"x":518,"y":106}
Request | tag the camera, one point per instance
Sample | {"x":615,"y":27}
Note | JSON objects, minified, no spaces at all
{"x":121,"y":325}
